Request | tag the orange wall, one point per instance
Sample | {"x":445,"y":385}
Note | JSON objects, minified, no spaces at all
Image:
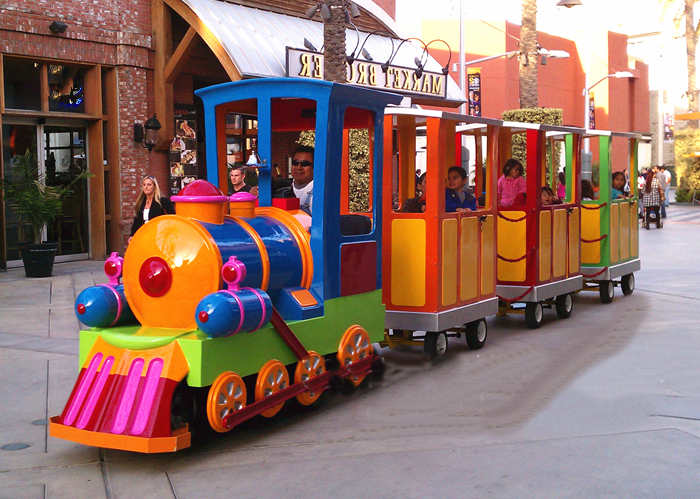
{"x":621,"y":104}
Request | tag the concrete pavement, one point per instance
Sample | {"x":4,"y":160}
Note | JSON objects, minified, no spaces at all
{"x":604,"y":403}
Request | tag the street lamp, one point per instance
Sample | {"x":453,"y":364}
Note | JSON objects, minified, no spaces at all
{"x":586,"y":94}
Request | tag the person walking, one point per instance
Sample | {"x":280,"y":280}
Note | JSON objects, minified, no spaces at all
{"x":653,"y":197}
{"x":663,"y":185}
{"x":150,"y":204}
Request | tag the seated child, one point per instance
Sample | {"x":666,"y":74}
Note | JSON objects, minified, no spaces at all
{"x":618,"y":185}
{"x":457,"y":197}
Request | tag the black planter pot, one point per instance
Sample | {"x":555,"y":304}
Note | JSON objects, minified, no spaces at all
{"x":38,"y":259}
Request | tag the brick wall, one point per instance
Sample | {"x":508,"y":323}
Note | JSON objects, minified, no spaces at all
{"x":115,"y":33}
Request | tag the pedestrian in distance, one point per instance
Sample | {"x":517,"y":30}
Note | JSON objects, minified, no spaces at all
{"x":653,"y":197}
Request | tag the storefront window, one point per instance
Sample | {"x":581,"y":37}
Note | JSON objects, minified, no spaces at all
{"x":66,"y":88}
{"x":22,"y":79}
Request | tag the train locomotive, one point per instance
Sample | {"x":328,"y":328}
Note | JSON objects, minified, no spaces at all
{"x":235,"y":302}
{"x":235,"y":305}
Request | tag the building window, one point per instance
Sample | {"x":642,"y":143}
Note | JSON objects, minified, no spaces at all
{"x":22,"y":83}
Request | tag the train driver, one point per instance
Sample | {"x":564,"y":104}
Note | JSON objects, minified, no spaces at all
{"x":303,"y":176}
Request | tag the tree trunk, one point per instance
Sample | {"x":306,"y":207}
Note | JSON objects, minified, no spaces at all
{"x":334,"y":59}
{"x":691,"y":41}
{"x":528,"y":58}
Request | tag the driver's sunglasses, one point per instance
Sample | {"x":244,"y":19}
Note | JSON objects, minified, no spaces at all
{"x":302,"y":163}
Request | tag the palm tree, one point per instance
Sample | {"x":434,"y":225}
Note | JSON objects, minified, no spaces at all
{"x":528,"y":58}
{"x":684,"y":9}
{"x":334,"y":59}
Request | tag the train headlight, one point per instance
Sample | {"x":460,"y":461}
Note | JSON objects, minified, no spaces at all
{"x":155,"y":277}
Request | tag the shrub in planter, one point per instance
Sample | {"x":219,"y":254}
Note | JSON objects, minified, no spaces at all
{"x":36,"y":204}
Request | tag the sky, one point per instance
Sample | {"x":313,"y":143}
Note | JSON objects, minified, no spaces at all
{"x":664,"y":53}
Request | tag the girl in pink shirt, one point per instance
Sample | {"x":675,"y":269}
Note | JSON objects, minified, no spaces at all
{"x":511,"y":184}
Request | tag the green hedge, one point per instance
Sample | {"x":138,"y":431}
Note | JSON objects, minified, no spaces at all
{"x":542,"y":115}
{"x":687,"y":168}
{"x":359,"y":166}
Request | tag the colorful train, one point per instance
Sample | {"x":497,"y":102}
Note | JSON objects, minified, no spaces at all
{"x":236,"y":305}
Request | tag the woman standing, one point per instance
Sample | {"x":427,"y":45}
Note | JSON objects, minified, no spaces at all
{"x":653,"y":196}
{"x":150,"y":203}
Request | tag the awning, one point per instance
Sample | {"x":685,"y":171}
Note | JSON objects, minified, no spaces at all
{"x":256,"y":41}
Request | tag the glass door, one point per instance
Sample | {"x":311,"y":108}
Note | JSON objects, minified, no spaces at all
{"x":64,"y":159}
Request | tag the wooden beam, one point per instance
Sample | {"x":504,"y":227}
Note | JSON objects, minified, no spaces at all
{"x":96,"y":201}
{"x":207,"y":36}
{"x":2,"y":87}
{"x":177,"y":61}
{"x":162,"y":41}
{"x":93,"y":91}
{"x":113,"y":159}
{"x":44,"y":90}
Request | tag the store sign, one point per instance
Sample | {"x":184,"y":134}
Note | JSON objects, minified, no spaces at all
{"x":474,"y":91}
{"x":399,"y":79}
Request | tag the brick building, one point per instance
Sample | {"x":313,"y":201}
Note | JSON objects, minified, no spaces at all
{"x":77,"y":76}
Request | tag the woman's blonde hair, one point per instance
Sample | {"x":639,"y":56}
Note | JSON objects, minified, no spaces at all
{"x":156,"y":191}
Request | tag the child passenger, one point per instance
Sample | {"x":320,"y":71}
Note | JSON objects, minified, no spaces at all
{"x":547,"y":196}
{"x":511,"y":185}
{"x":457,"y":197}
{"x":618,"y":185}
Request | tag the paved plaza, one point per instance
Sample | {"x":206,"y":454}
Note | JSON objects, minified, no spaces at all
{"x":606,"y":403}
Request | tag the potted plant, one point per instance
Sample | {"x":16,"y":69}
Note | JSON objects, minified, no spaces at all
{"x":36,"y":204}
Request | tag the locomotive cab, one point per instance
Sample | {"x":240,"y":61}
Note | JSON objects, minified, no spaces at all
{"x":229,"y":295}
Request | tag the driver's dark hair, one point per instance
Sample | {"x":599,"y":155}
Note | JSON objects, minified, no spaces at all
{"x":307,"y":149}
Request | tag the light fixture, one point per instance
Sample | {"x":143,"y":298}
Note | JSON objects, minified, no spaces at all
{"x":366,"y":55}
{"x":311,"y":11}
{"x":569,"y":3}
{"x":325,"y":12}
{"x":309,"y":45}
{"x":57,"y":27}
{"x":354,"y":10}
{"x":147,"y":132}
{"x":419,"y":67}
{"x":622,"y":74}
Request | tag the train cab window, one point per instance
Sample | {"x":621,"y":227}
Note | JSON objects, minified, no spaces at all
{"x":511,"y":188}
{"x":237,"y":127}
{"x":408,"y":165}
{"x":472,"y":157}
{"x":357,"y":175}
{"x":293,"y":158}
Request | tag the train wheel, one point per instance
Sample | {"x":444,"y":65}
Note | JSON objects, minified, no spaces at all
{"x":564,"y":305}
{"x":272,"y":378}
{"x":476,"y":334}
{"x":354,"y":346}
{"x":533,"y":314}
{"x":607,"y":291}
{"x":308,"y":368}
{"x":435,"y":344}
{"x":226,"y":395}
{"x":628,"y":284}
